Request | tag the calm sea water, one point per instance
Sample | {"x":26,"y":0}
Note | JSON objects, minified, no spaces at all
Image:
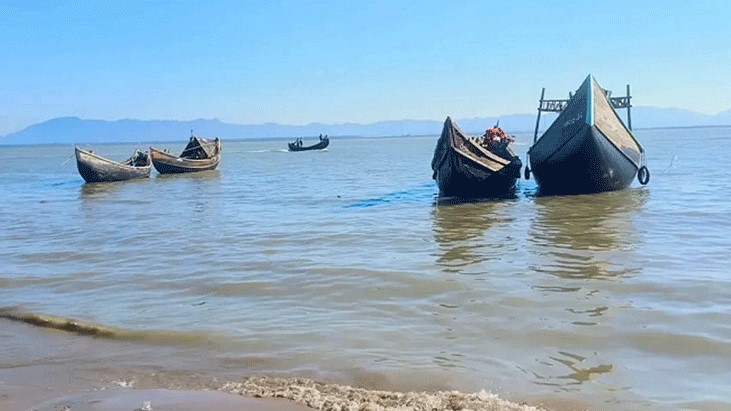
{"x":338,"y":265}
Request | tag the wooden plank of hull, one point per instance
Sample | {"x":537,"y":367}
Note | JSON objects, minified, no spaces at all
{"x":587,"y":149}
{"x":464,"y":169}
{"x":95,"y":169}
{"x":319,"y":146}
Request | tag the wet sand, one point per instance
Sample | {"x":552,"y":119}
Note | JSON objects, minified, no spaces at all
{"x":269,"y":394}
{"x":49,"y":391}
{"x":162,"y":400}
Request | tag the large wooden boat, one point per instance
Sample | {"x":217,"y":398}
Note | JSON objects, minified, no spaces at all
{"x":199,"y":155}
{"x":297,"y":145}
{"x":95,"y":168}
{"x":588,"y":148}
{"x":464,"y":168}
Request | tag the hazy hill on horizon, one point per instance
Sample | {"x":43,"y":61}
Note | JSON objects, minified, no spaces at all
{"x":73,"y":130}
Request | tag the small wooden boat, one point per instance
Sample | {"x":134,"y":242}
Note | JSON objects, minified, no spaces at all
{"x":199,"y":155}
{"x":95,"y":168}
{"x":464,"y":168}
{"x":297,"y":145}
{"x":588,"y":148}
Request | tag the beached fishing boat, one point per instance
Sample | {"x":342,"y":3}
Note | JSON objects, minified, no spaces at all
{"x":95,"y":168}
{"x":465,"y":167}
{"x":297,"y":145}
{"x":199,"y":155}
{"x":588,"y":148}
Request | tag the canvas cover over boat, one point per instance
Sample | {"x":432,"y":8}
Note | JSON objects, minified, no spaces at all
{"x":198,"y":148}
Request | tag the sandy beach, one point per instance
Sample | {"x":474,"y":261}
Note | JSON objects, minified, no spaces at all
{"x":288,"y":395}
{"x":123,"y":399}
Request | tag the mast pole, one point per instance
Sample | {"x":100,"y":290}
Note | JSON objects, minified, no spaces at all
{"x":538,"y":120}
{"x":629,"y":113}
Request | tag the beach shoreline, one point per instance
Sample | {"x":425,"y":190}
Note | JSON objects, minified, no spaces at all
{"x":258,"y":393}
{"x":127,"y":399}
{"x":50,"y":370}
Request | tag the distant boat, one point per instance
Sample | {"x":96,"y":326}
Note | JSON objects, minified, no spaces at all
{"x":297,"y":145}
{"x":95,"y":168}
{"x":199,"y":155}
{"x":588,"y":148}
{"x":464,"y":168}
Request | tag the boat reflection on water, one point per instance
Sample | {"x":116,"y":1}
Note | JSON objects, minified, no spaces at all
{"x":197,"y":176}
{"x":463,"y":231}
{"x":93,"y":191}
{"x":586,"y":236}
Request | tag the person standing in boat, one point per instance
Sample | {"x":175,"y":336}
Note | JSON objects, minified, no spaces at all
{"x":486,"y":138}
{"x":491,"y":137}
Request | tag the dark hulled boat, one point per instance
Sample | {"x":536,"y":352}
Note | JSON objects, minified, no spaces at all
{"x":297,"y":145}
{"x":95,"y":168}
{"x":588,"y":148}
{"x":199,"y":155}
{"x":464,"y":168}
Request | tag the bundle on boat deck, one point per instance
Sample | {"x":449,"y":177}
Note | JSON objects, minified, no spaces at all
{"x":200,"y":154}
{"x":95,"y":168}
{"x":463,"y":167}
{"x":588,"y":148}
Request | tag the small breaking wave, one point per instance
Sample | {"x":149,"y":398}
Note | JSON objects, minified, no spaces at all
{"x":331,"y":397}
{"x":89,"y":329}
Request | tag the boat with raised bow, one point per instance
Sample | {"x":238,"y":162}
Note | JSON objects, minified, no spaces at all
{"x":199,"y":155}
{"x":588,"y":148}
{"x":464,"y":167}
{"x":95,"y":168}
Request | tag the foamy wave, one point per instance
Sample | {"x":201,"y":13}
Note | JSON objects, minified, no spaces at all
{"x":331,"y":397}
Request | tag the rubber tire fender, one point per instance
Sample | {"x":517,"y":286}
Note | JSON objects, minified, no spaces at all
{"x":643,"y":175}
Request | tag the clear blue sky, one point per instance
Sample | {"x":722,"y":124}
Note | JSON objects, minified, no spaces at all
{"x":302,"y":61}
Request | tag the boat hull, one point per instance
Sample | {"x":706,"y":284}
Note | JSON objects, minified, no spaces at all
{"x":464,"y":170}
{"x":587,"y":163}
{"x":96,"y":169}
{"x":587,"y":149}
{"x":319,"y":146}
{"x":458,"y":177}
{"x":166,"y":163}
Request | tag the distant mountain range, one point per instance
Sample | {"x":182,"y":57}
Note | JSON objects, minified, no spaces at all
{"x":73,"y":130}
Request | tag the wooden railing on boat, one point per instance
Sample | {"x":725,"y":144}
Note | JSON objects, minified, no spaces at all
{"x":558,"y":105}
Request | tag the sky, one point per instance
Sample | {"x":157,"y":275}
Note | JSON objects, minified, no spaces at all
{"x":304,"y":61}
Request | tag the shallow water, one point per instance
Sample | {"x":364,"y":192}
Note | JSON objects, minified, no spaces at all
{"x":338,"y":265}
